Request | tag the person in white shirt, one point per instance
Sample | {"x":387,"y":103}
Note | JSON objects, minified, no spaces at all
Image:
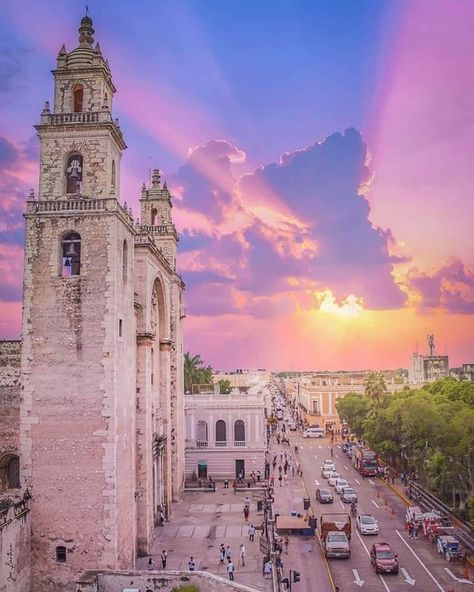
{"x":242,"y":553}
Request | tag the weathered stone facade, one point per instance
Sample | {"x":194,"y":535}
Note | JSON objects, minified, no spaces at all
{"x":15,"y":535}
{"x":10,"y":357}
{"x":102,"y":415}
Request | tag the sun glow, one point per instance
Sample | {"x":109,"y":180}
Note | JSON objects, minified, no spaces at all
{"x":351,"y":306}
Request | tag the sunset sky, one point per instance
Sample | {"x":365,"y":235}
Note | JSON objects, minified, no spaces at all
{"x":321,"y":155}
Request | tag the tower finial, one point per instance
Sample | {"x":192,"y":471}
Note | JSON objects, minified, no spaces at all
{"x":155,"y":178}
{"x":86,"y":31}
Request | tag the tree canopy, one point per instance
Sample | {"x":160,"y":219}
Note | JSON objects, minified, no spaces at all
{"x":429,"y":430}
{"x":195,"y":373}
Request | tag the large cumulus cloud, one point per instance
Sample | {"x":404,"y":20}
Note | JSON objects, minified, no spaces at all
{"x":299,"y":224}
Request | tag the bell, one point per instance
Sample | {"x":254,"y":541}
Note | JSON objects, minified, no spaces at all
{"x":70,"y":250}
{"x":74,"y":174}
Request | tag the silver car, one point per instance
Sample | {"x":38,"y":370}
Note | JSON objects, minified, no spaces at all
{"x":367,"y":524}
{"x":348,"y":495}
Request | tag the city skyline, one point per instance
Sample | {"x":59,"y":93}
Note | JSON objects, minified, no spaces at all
{"x":320,"y":159}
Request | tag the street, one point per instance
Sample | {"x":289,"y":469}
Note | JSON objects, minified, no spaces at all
{"x":421,"y":567}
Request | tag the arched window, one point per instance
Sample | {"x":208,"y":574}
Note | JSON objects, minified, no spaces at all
{"x":112,"y":176}
{"x":74,"y":173}
{"x":9,"y":472}
{"x":221,"y":435}
{"x":154,"y":216}
{"x":239,"y":431}
{"x":124,"y":261}
{"x":78,"y":98}
{"x":71,"y":254}
{"x":202,"y":433}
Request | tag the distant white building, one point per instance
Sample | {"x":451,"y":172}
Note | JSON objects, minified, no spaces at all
{"x":225,"y":434}
{"x":427,"y":368}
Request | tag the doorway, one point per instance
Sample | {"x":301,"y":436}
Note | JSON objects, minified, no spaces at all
{"x":240,"y":469}
{"x":202,"y":469}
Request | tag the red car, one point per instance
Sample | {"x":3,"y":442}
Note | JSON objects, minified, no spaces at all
{"x":383,"y":558}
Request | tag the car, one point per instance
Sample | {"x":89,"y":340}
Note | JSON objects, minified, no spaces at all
{"x":327,"y":471}
{"x":324,"y":496}
{"x":340,"y":484}
{"x":328,"y":463}
{"x":333,"y":477}
{"x":383,"y":558}
{"x":313,"y":432}
{"x":286,"y":418}
{"x":348,"y":495}
{"x":336,"y":544}
{"x":367,"y":524}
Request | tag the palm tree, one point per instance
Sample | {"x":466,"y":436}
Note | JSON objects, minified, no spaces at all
{"x":192,"y":364}
{"x":375,"y":386}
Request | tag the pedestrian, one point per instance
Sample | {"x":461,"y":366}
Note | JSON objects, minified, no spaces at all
{"x":280,"y":469}
{"x":251,"y":533}
{"x":150,"y":564}
{"x":164,"y":558}
{"x":286,"y":543}
{"x":332,"y":452}
{"x":247,"y":502}
{"x":267,"y":569}
{"x":292,"y":470}
{"x":221,"y":556}
{"x":246,"y":514}
{"x":259,"y":476}
{"x":416,"y":529}
{"x":230,"y":570}
{"x":272,"y":481}
{"x":242,"y":554}
{"x":226,"y":483}
{"x":241,"y":477}
{"x":410,"y":529}
{"x":234,"y":486}
{"x":191,"y":564}
{"x":228,"y":553}
{"x":280,"y":478}
{"x":162,"y":517}
{"x":285,"y":479}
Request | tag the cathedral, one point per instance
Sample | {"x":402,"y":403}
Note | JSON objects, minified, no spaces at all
{"x":101,"y":414}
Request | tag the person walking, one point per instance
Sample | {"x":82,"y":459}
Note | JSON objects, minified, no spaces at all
{"x":251,"y":532}
{"x":286,"y":543}
{"x":164,"y":558}
{"x":150,"y":564}
{"x":280,"y":478}
{"x":267,"y":569}
{"x":285,"y":479}
{"x":242,"y":554}
{"x":410,"y":529}
{"x":191,"y":564}
{"x":221,"y":556}
{"x":228,"y":553}
{"x":246,"y":513}
{"x":230,"y":570}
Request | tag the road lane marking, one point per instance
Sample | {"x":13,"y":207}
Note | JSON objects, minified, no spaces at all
{"x":376,"y":504}
{"x":342,"y":505}
{"x":357,"y":481}
{"x":316,"y":456}
{"x":408,"y":579}
{"x":371,"y":482}
{"x":421,"y":562}
{"x":319,"y":446}
{"x":345,"y":466}
{"x":316,"y":482}
{"x":368,"y":553}
{"x":357,"y":580}
{"x":336,"y":455}
{"x":461,"y":580}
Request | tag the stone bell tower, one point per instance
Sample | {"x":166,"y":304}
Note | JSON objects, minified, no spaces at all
{"x":79,"y":333}
{"x":155,"y":203}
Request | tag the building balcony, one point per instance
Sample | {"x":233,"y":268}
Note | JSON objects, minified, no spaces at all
{"x":220,"y":444}
{"x":239,"y":444}
{"x":202,"y":444}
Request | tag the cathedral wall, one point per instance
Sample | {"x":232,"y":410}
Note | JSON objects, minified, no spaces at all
{"x":98,"y":153}
{"x":10,"y":357}
{"x":95,"y":89}
{"x":15,"y":550}
{"x":77,"y":412}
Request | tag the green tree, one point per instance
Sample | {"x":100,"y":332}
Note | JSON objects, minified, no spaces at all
{"x":195,"y":372}
{"x":354,"y":409}
{"x":375,"y":386}
{"x":224,"y":386}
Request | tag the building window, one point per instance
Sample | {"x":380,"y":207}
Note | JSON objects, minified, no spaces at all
{"x":315,"y":409}
{"x":124,"y":260}
{"x":9,"y":472}
{"x":120,"y":328}
{"x":221,"y":433}
{"x":239,"y":431}
{"x":201,"y":434}
{"x":61,"y":554}
{"x":78,"y":94}
{"x":74,"y":173}
{"x":152,"y":365}
{"x":112,"y":179}
{"x":71,"y":254}
{"x":154,"y":216}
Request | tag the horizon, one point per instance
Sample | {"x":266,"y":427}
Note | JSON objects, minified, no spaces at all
{"x":320,"y":161}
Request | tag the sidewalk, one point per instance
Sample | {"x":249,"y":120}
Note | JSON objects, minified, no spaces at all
{"x":203,"y":520}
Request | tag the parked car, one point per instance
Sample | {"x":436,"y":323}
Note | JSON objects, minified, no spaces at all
{"x":324,"y":496}
{"x":383,"y":558}
{"x":367,"y":524}
{"x":340,"y":484}
{"x":449,"y":546}
{"x":348,"y":495}
{"x":333,"y":477}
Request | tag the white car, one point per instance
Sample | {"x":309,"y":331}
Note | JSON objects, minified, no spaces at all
{"x":367,"y":524}
{"x":340,"y":484}
{"x":328,"y":463}
{"x":333,"y":477}
{"x":327,"y":471}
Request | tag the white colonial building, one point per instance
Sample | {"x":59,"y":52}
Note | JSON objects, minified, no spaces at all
{"x":225,"y":434}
